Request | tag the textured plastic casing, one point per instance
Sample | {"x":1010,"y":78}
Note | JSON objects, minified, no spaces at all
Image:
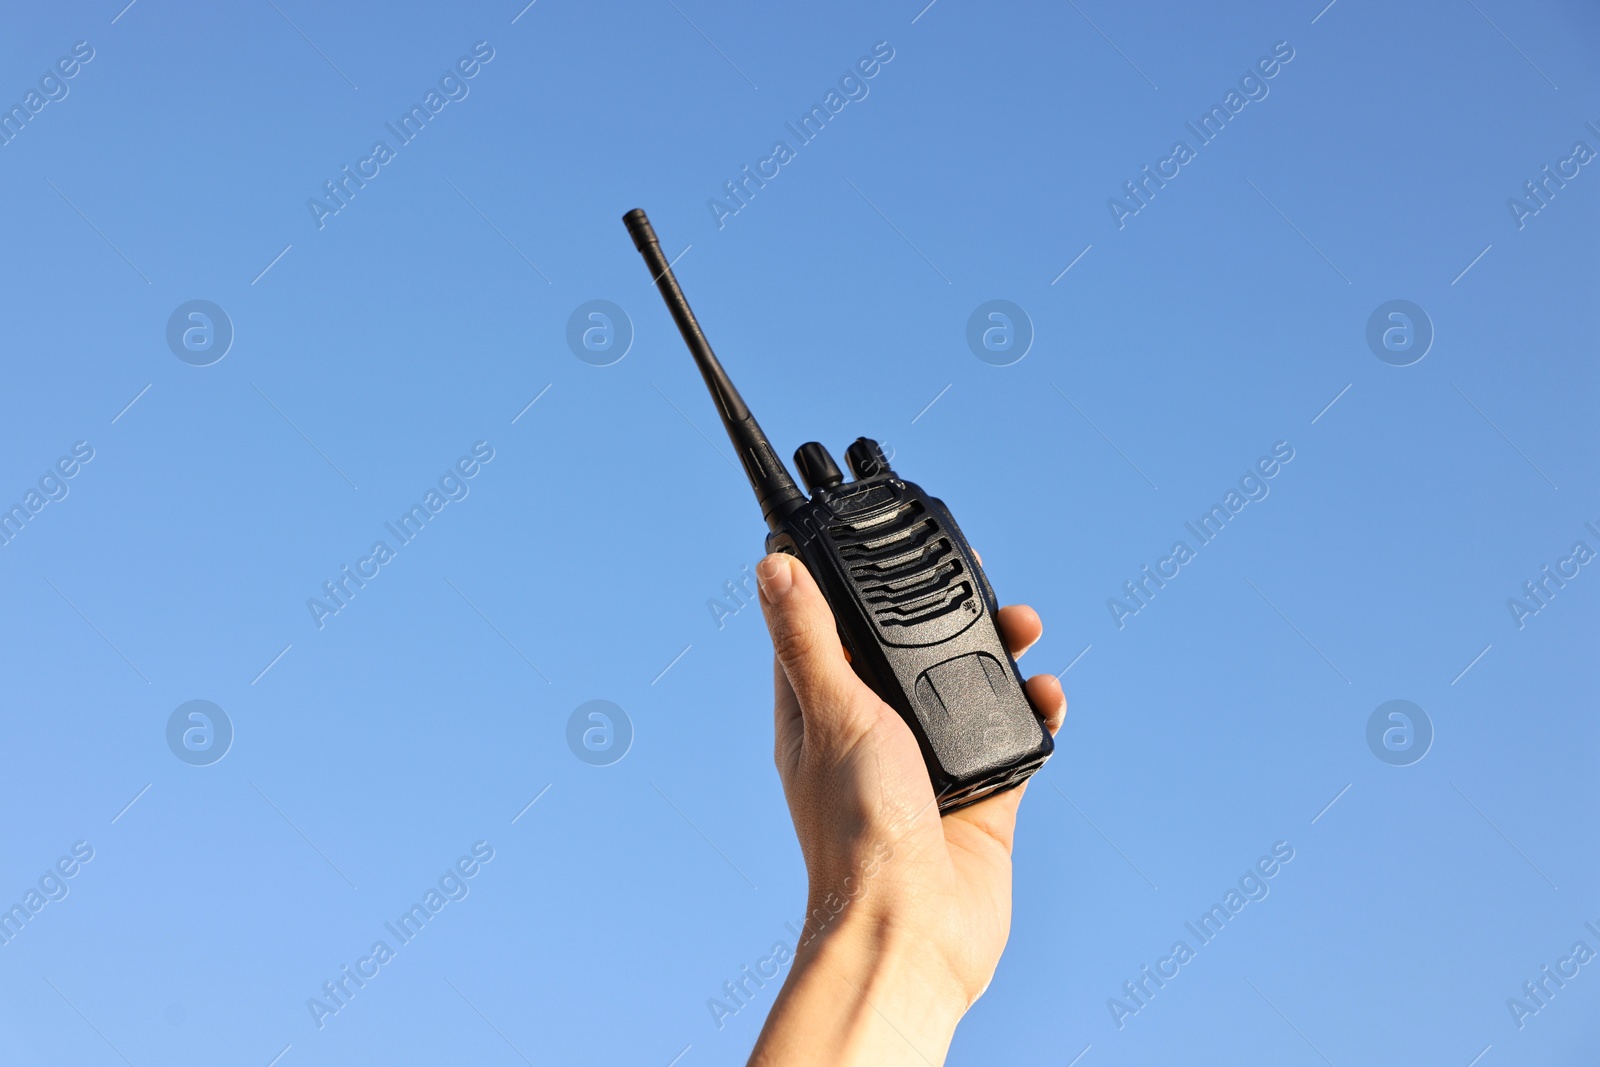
{"x":918,"y":618}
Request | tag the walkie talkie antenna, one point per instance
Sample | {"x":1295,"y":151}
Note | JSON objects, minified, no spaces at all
{"x":774,"y":488}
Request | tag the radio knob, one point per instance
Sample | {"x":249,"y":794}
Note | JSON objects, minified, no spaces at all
{"x":816,"y":466}
{"x":866,"y":459}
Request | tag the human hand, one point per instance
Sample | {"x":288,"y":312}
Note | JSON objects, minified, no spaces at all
{"x":907,"y":912}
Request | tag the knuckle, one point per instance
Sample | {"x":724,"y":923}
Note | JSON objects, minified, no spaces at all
{"x":793,"y":643}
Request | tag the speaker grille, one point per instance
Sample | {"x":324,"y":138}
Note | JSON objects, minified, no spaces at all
{"x":905,"y":566}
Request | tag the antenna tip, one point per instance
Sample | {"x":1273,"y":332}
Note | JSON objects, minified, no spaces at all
{"x":639,"y":228}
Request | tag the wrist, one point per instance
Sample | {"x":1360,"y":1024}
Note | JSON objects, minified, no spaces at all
{"x":864,"y":989}
{"x":891,"y":959}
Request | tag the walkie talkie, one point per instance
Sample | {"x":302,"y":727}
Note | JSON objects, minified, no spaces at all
{"x":914,"y":610}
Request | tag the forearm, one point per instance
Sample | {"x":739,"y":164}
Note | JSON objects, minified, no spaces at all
{"x":862,"y":992}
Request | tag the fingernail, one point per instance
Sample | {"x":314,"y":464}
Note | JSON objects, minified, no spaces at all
{"x":775,"y":577}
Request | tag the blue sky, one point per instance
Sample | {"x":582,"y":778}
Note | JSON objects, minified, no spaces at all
{"x":381,"y":350}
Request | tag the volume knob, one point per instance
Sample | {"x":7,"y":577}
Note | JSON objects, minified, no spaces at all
{"x":866,"y":459}
{"x":816,"y":466}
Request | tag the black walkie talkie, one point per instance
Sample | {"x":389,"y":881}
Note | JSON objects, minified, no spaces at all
{"x":914,"y":610}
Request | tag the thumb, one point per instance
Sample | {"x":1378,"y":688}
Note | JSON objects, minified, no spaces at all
{"x":806,"y":639}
